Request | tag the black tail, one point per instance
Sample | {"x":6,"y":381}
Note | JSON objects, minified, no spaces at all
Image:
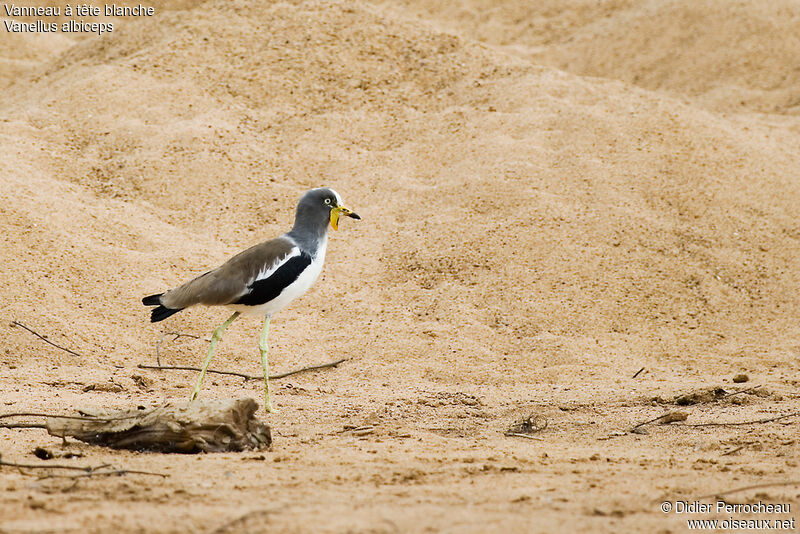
{"x":152,"y":300}
{"x":160,"y":312}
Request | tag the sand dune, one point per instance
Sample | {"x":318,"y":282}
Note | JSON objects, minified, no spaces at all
{"x":531,"y":237}
{"x":731,"y":57}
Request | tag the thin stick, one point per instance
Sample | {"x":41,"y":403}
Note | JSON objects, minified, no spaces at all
{"x":87,"y":469}
{"x":56,"y":416}
{"x":187,"y":368}
{"x":740,"y":423}
{"x":745,"y":390}
{"x":518,"y":435}
{"x":724,"y":396}
{"x":40,"y":336}
{"x":115,"y":472}
{"x":23,"y":425}
{"x":158,"y":346}
{"x":161,"y":340}
{"x":78,"y":417}
{"x":242,"y":375}
{"x":755,"y":486}
{"x":180,"y":335}
{"x":653,"y":420}
{"x":637,"y":372}
{"x":737,"y":449}
{"x":309,"y":368}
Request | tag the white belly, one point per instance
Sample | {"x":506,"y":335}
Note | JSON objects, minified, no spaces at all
{"x":292,"y":291}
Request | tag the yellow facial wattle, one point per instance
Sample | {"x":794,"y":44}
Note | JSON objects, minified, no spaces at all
{"x":338,"y":211}
{"x":335,"y":213}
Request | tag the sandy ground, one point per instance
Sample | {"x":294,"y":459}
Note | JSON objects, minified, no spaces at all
{"x":554,"y":196}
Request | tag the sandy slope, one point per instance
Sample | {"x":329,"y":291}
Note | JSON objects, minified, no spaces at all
{"x":729,"y":56}
{"x":530,"y":239}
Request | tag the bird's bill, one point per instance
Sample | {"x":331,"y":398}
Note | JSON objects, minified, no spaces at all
{"x":339,"y":211}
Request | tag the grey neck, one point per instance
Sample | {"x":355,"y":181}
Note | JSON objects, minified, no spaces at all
{"x":310,"y":231}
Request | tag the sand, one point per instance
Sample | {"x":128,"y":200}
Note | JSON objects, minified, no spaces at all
{"x":553,"y":198}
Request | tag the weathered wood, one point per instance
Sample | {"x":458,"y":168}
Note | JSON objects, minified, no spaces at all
{"x":226,"y":425}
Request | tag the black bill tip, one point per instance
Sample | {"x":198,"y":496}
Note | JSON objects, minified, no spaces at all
{"x":354,"y":216}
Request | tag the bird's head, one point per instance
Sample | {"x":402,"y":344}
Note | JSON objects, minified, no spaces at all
{"x":324,"y":204}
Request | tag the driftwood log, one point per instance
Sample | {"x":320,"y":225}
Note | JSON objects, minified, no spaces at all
{"x":226,"y":425}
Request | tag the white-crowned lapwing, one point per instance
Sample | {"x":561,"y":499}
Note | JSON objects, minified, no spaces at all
{"x":263,"y":279}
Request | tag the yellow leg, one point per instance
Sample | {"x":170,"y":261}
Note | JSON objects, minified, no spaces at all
{"x":265,"y":364}
{"x":215,"y":338}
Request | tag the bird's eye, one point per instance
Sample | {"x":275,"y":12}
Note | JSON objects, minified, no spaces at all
{"x":327,"y":201}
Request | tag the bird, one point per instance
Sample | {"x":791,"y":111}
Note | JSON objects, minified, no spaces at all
{"x":264,"y":279}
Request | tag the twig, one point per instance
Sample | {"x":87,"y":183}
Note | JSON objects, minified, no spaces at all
{"x":737,"y":449}
{"x":158,"y":346}
{"x":744,"y":390}
{"x":40,"y":336}
{"x":23,"y":425}
{"x":740,"y":423}
{"x":87,"y":470}
{"x":691,"y":394}
{"x":242,"y":375}
{"x":530,"y":425}
{"x":79,"y":417}
{"x":755,"y":486}
{"x":187,"y":368}
{"x":115,"y":472}
{"x":32,"y":414}
{"x":177,"y":336}
{"x":637,"y":372}
{"x":669,"y":417}
{"x":55,"y":416}
{"x":309,"y":368}
{"x":526,"y":436}
{"x":648,"y":422}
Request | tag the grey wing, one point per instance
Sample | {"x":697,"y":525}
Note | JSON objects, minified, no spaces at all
{"x":225,"y":284}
